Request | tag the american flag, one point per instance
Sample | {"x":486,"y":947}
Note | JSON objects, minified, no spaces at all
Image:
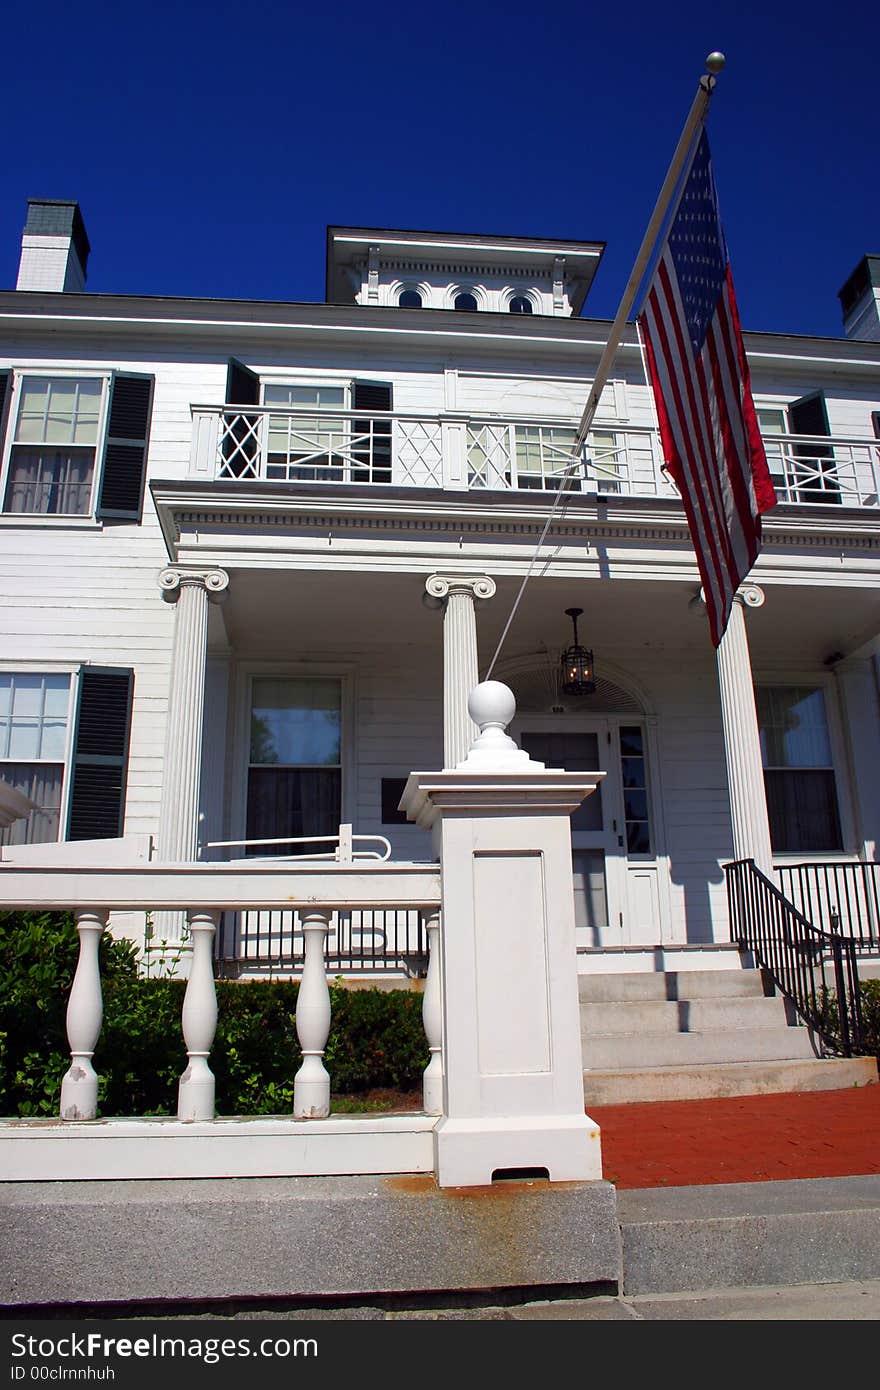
{"x":700,"y":378}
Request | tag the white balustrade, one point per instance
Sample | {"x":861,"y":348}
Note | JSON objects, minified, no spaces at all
{"x":195,"y":1095}
{"x":85,"y":1011}
{"x":432,"y":1019}
{"x":311,"y":1087}
{"x":458,"y":451}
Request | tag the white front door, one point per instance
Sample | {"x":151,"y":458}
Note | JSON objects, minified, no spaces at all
{"x":598,"y":828}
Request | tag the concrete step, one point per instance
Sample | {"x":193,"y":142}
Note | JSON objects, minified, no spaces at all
{"x":680,"y":1049}
{"x":750,"y":1234}
{"x":671,"y":984}
{"x":680,"y":1016}
{"x":622,"y":1086}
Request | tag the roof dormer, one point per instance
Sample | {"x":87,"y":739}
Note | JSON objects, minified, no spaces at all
{"x":473,"y":274}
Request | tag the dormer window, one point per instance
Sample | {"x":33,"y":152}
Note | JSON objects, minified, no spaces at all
{"x":409,"y":299}
{"x":465,"y":301}
{"x":520,"y":305}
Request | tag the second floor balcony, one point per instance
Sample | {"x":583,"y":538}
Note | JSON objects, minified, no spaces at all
{"x":460,"y":452}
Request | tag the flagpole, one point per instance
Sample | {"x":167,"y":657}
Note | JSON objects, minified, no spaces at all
{"x":696,"y":116}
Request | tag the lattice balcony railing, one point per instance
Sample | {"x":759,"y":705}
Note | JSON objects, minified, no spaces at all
{"x":487,"y":453}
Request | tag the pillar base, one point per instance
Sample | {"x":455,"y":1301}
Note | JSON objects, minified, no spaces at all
{"x":468,"y":1152}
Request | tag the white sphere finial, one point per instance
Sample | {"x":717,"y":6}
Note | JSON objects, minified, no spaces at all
{"x":715,"y":63}
{"x":491,"y":705}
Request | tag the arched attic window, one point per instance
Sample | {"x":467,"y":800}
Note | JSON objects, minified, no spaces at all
{"x":409,"y":299}
{"x":520,"y":305}
{"x":465,"y":301}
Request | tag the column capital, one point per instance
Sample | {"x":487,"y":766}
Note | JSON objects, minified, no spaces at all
{"x":747,"y":596}
{"x":750,"y":596}
{"x":438,"y":587}
{"x":175,"y":577}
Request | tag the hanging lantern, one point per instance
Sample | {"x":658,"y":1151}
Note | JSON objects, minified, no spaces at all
{"x":577,"y":675}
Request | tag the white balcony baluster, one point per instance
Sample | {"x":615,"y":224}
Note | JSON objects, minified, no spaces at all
{"x":85,"y":1011}
{"x":432,"y":1018}
{"x":195,"y":1095}
{"x":311,"y":1087}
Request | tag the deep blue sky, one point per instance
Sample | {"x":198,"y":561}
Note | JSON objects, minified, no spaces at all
{"x":210,"y":145}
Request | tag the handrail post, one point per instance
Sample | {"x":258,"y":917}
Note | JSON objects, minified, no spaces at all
{"x":842,"y":999}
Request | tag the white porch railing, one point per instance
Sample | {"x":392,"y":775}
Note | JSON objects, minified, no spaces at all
{"x":205,"y":891}
{"x":460,"y":452}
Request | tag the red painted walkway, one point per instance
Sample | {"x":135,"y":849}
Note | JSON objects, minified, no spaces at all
{"x":817,"y":1134}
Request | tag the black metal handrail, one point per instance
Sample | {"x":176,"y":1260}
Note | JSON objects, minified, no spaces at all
{"x":846,"y":896}
{"x":794,"y":953}
{"x":375,"y":941}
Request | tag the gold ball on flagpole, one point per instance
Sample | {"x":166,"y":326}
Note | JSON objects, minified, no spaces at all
{"x":715,"y":62}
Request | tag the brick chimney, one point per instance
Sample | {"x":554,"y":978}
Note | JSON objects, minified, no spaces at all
{"x":54,"y":247}
{"x":860,"y":301}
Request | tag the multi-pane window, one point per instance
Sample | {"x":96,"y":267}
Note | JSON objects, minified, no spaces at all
{"x":34,"y":716}
{"x":798,"y":769}
{"x":772,"y":421}
{"x":307,"y":446}
{"x":634,"y":777}
{"x":543,"y":455}
{"x":295,"y":762}
{"x":54,"y":445}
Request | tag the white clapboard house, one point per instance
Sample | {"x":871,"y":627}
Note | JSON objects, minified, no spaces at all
{"x":254,"y":555}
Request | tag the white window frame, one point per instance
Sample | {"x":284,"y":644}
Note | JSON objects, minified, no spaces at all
{"x":813,"y":681}
{"x":345,"y":383}
{"x":50,"y":372}
{"x":247,"y":672}
{"x":48,"y":668}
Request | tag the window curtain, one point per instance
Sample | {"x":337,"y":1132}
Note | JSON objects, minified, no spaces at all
{"x":295,"y":802}
{"x":42,"y":782}
{"x":50,"y":481}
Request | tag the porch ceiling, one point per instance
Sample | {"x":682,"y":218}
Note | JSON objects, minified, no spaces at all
{"x":294,"y":614}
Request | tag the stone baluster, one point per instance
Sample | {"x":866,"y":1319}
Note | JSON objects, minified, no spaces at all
{"x":85,"y":1011}
{"x":432,"y":1018}
{"x":195,"y":1092}
{"x":311,"y":1087}
{"x":457,"y":595}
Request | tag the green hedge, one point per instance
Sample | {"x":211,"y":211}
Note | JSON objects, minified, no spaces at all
{"x":376,"y":1038}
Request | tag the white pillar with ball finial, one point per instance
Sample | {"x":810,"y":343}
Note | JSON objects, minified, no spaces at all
{"x":513,"y":1098}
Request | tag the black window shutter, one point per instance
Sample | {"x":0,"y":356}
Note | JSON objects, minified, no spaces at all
{"x":100,"y":755}
{"x":809,"y":415}
{"x":370,"y":396}
{"x":125,"y":454}
{"x":4,"y":392}
{"x":240,"y":446}
{"x":242,"y":385}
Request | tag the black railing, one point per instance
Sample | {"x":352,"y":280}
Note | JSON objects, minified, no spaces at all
{"x":380,"y":941}
{"x":796,"y":954}
{"x":842,"y":897}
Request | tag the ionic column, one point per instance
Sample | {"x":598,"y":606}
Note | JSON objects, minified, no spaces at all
{"x":190,"y":590}
{"x":742,"y":744}
{"x":457,"y":594}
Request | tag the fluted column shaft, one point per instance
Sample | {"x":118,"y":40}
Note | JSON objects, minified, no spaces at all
{"x":458,"y":595}
{"x":179,"y":818}
{"x":742,"y":744}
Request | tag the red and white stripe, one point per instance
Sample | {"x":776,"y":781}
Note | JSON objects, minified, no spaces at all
{"x":711,"y":441}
